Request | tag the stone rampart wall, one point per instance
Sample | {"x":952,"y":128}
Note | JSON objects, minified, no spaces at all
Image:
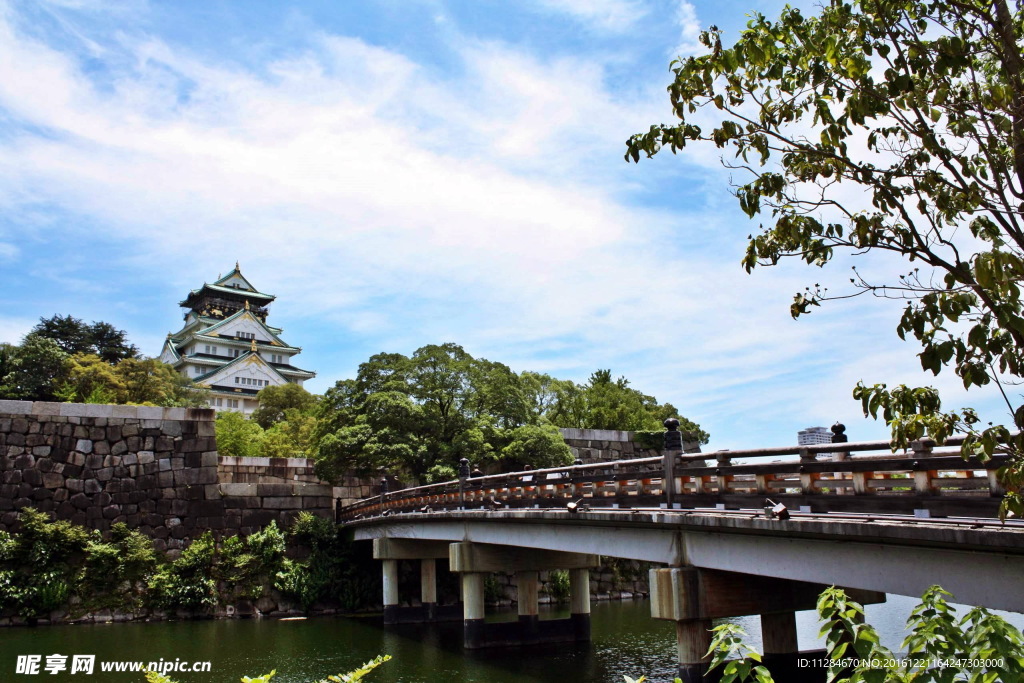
{"x":155,"y":469}
{"x":603,"y":445}
{"x":289,"y":471}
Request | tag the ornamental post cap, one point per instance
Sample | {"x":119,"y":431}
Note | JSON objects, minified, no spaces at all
{"x":671,"y":424}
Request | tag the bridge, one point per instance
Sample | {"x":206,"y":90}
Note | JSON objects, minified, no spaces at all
{"x":737,"y":536}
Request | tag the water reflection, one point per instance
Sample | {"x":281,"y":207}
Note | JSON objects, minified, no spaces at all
{"x":625,"y":641}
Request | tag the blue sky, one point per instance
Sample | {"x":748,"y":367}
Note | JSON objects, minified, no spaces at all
{"x":409,"y":172}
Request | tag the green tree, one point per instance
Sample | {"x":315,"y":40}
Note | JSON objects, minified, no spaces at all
{"x":33,"y":371}
{"x":90,"y":379}
{"x":291,"y":437}
{"x":97,"y":338}
{"x":148,"y":381}
{"x":919,"y":105}
{"x":423,"y":413}
{"x":238,"y":436}
{"x":535,"y":445}
{"x":275,"y":401}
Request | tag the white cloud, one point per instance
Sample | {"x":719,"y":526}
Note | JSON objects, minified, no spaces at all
{"x":8,"y":252}
{"x":689,"y":30}
{"x":606,"y":15}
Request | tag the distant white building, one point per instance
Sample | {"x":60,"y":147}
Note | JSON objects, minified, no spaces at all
{"x":227,"y":346}
{"x":813,"y":436}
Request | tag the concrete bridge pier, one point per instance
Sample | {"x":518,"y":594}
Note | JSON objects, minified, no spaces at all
{"x":527,"y":587}
{"x":692,"y":597}
{"x":390,"y":551}
{"x":579,"y":603}
{"x":474,"y":561}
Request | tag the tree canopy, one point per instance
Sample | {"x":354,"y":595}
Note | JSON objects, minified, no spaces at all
{"x":919,"y":105}
{"x":96,"y":338}
{"x":423,"y":413}
{"x":64,"y":359}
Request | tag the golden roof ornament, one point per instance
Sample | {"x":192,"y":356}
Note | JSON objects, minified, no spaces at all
{"x":253,"y":347}
{"x":247,"y":304}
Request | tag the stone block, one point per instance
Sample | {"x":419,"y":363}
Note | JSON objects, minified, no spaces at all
{"x":96,"y":410}
{"x":257,"y":518}
{"x":186,"y":477}
{"x":80,"y":501}
{"x":33,"y":477}
{"x":206,"y":508}
{"x":43,"y":408}
{"x":25,"y":461}
{"x":274,"y":489}
{"x":125,"y":412}
{"x":171,"y":428}
{"x":165,"y":479}
{"x":238,"y":489}
{"x":147,"y":413}
{"x":314,"y":490}
{"x":129,"y":429}
{"x":282,"y":503}
{"x":146,"y":457}
{"x":97,"y":433}
{"x":210,"y":459}
{"x":52,"y":480}
{"x":175,"y":414}
{"x":15,"y":407}
{"x":207,"y":475}
{"x":101,"y":448}
{"x":19,"y":425}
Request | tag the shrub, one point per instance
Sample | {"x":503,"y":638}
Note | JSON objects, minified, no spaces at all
{"x":186,"y":583}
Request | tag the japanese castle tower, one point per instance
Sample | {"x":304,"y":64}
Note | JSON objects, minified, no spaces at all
{"x":227,"y":346}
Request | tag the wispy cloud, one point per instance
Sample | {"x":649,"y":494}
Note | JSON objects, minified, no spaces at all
{"x":606,"y":15}
{"x":689,"y":30}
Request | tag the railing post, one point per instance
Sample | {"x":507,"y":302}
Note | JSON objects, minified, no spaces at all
{"x":383,"y":493}
{"x":995,"y":488}
{"x":673,"y":446}
{"x":922,"y":475}
{"x":463,"y":476}
{"x":723,"y":460}
{"x":807,"y":479}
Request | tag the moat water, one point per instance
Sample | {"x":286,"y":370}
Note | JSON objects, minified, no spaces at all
{"x":625,"y":641}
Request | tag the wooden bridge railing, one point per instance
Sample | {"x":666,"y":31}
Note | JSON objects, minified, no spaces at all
{"x":861,"y":477}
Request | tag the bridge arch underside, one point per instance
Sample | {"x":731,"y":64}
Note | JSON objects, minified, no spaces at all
{"x":980,"y":566}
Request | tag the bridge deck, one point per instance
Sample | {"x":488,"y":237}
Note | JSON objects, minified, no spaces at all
{"x":981,"y":562}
